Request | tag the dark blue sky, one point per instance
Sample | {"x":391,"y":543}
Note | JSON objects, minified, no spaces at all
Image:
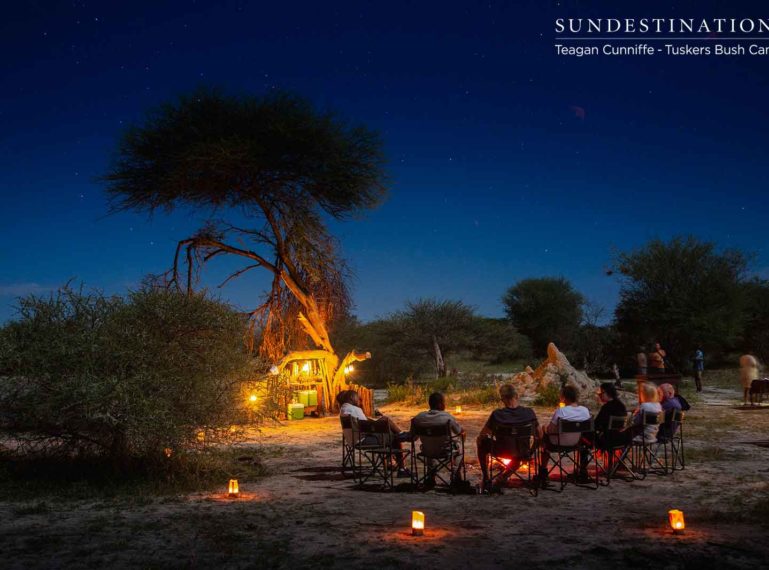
{"x":506,"y":160}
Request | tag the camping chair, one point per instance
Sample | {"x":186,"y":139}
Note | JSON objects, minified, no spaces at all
{"x":645,"y":453}
{"x":348,"y":445}
{"x":579,"y":454}
{"x":375,"y":450}
{"x":671,"y":437}
{"x":613,"y":447}
{"x":441,"y":456}
{"x":509,"y":443}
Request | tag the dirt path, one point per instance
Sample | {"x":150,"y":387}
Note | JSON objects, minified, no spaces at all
{"x":306,"y":514}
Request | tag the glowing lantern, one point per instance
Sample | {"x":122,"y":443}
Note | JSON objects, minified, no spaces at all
{"x":252,"y":398}
{"x":201,"y":436}
{"x":306,"y":368}
{"x":523,"y":467}
{"x":561,"y":404}
{"x":458,"y":410}
{"x":167,"y":452}
{"x":676,"y":519}
{"x":351,"y":368}
{"x":417,"y":523}
{"x":346,"y":370}
{"x":233,"y":490}
{"x":505,"y":461}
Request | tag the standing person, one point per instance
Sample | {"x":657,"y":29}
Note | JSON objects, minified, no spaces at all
{"x":657,"y":359}
{"x":748,"y":373}
{"x":699,"y":367}
{"x":641,"y":359}
{"x":615,"y":373}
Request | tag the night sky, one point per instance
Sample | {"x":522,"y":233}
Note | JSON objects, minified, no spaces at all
{"x":506,"y":160}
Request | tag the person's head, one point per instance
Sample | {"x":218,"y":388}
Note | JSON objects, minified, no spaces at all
{"x":341,"y":397}
{"x":649,"y":392}
{"x":353,"y":398}
{"x":569,"y":394}
{"x":607,"y":391}
{"x":667,"y":392}
{"x":657,"y":346}
{"x":509,"y":395}
{"x":437,"y":401}
{"x":642,"y":349}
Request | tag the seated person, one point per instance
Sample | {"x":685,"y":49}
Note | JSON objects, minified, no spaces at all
{"x":649,"y":403}
{"x":668,"y":399}
{"x":349,"y":401}
{"x":436,"y":416}
{"x":570,"y":411}
{"x":669,"y":403}
{"x":509,"y":414}
{"x":611,"y":406}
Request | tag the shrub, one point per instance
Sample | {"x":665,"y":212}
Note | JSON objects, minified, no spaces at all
{"x":146,"y":377}
{"x":548,"y":395}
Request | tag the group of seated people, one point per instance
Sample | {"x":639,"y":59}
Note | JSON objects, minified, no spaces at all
{"x":652,"y":400}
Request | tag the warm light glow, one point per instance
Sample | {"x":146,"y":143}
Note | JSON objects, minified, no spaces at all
{"x":351,"y":368}
{"x":233,"y":490}
{"x":505,"y":461}
{"x":561,"y":405}
{"x":458,"y":410}
{"x":168,"y":452}
{"x":676,"y":518}
{"x":306,"y":368}
{"x":346,"y":370}
{"x":523,"y":467}
{"x":201,"y":436}
{"x":252,"y":397}
{"x":417,"y":523}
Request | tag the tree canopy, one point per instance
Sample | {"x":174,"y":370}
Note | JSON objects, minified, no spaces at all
{"x":546,"y":309}
{"x":278,"y":162}
{"x":683,"y":293}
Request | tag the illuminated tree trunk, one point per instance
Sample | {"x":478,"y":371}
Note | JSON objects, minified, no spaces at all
{"x":440,"y":365}
{"x":334,"y":379}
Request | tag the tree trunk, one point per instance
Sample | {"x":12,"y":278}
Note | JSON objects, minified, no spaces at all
{"x":440,"y":365}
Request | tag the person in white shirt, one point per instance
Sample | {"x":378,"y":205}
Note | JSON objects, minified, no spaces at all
{"x":649,"y":404}
{"x":349,"y":401}
{"x":570,"y":411}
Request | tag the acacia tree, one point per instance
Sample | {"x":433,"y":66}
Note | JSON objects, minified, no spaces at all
{"x":282,"y":166}
{"x":684,"y":293}
{"x":437,"y":328}
{"x":546,"y":309}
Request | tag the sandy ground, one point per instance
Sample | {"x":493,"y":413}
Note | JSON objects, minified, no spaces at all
{"x":305,"y":514}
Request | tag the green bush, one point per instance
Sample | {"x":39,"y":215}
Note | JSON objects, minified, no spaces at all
{"x":549,"y":395}
{"x":148,"y":377}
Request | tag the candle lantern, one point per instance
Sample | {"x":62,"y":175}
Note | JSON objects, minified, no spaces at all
{"x":417,"y":523}
{"x":676,"y":519}
{"x":233,"y":490}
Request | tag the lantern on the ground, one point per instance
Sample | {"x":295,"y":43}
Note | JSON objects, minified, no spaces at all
{"x":417,"y":523}
{"x":458,"y":410}
{"x":676,"y":519}
{"x":232,"y":489}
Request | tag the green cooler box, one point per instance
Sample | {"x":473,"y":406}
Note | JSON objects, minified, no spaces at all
{"x":295,"y":411}
{"x":308,"y":398}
